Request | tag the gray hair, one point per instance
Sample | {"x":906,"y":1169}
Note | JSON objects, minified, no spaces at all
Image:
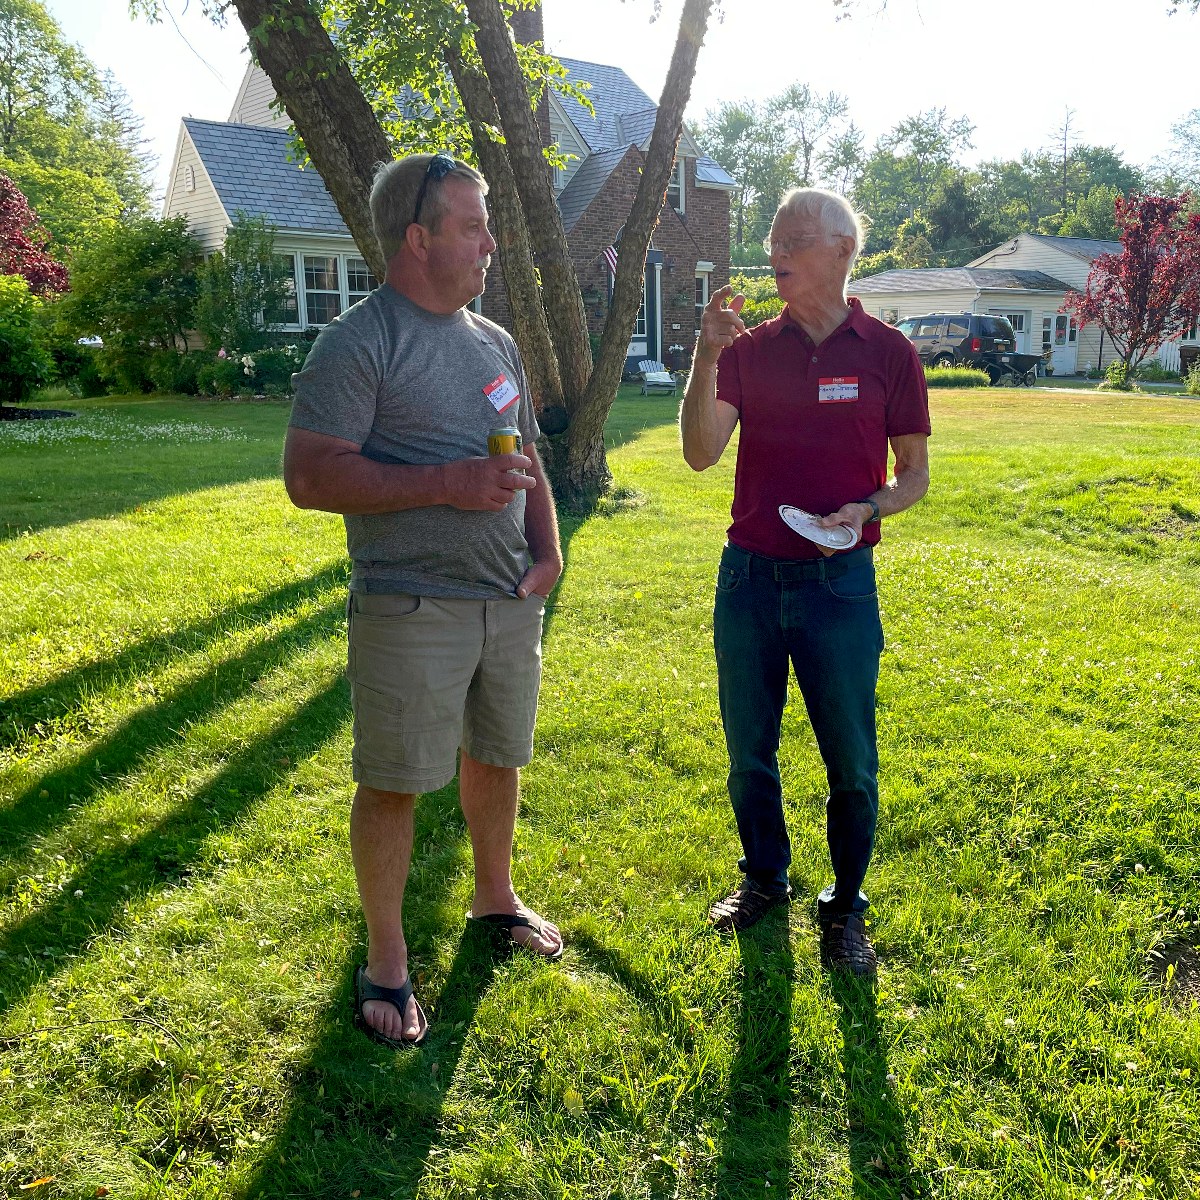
{"x":394,"y":198}
{"x":832,"y":213}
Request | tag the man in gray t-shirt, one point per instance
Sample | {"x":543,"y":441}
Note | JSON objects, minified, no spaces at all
{"x":454,"y":551}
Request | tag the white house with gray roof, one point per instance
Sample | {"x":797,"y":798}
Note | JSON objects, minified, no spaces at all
{"x":1026,"y":279}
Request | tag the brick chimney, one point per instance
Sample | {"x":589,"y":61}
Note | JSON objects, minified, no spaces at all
{"x":526,"y":24}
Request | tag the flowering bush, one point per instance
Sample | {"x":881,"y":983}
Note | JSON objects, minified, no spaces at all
{"x":268,"y":372}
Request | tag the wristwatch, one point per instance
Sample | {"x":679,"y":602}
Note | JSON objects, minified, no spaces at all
{"x":874,"y":510}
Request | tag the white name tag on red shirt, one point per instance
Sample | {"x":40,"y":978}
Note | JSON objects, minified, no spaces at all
{"x":839,"y":389}
{"x":502,"y":393}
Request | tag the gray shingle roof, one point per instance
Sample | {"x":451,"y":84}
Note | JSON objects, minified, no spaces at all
{"x":1085,"y":248}
{"x":624,"y":115}
{"x":613,"y":94}
{"x":249,"y":167}
{"x":590,"y":176}
{"x":949,"y":279}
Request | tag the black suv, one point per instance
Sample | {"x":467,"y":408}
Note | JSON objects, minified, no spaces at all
{"x":960,"y":339}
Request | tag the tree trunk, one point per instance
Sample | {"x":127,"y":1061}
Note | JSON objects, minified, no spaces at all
{"x":561,"y":298}
{"x":580,"y":467}
{"x":635,"y":240}
{"x":326,"y":105}
{"x":512,"y":241}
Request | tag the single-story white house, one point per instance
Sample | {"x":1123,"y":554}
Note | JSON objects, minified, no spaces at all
{"x":1026,"y":280}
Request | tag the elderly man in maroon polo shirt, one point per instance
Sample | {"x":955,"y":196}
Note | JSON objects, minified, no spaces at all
{"x":819,"y":393}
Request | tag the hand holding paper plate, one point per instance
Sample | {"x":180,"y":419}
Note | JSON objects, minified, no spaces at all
{"x":840,"y":537}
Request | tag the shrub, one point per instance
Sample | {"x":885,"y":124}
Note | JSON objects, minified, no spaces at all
{"x":220,"y":376}
{"x":1118,"y":378}
{"x":273,"y":369}
{"x":1152,"y":371}
{"x":762,"y":300}
{"x":1191,"y":384}
{"x":239,"y":283}
{"x":25,"y":364}
{"x":125,"y":369}
{"x":959,"y":377}
{"x":175,"y":373}
{"x":87,"y":376}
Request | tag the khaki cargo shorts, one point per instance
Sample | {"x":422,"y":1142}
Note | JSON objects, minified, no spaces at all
{"x":428,"y":676}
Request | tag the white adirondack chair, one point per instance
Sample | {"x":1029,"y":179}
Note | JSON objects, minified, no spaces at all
{"x":656,"y":377}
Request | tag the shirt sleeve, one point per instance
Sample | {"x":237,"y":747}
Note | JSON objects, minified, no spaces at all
{"x":729,"y":378}
{"x":337,"y":389}
{"x":908,"y":395}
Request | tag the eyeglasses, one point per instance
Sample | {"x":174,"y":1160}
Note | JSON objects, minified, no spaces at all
{"x":440,"y":165}
{"x":789,"y":245}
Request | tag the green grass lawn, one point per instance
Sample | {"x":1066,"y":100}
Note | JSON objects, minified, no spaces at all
{"x":178,"y":918}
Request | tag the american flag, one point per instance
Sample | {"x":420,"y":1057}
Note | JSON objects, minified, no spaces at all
{"x":610,"y":257}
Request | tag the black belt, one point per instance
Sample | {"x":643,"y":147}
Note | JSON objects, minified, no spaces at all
{"x":790,"y":570}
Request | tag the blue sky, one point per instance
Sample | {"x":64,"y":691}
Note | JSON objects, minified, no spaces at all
{"x":1127,"y":69}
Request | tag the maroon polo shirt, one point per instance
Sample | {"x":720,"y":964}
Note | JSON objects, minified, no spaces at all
{"x":815,"y":422}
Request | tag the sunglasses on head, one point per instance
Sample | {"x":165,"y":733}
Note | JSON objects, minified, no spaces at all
{"x":440,"y":165}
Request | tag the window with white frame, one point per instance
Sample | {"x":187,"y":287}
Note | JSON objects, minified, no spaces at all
{"x":322,"y":288}
{"x":889,"y":316}
{"x":703,"y":285}
{"x":1193,"y":334}
{"x":1016,"y":320}
{"x":675,"y":192}
{"x":360,"y":281}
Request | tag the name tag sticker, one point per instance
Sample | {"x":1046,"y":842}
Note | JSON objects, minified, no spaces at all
{"x":502,"y":393}
{"x":839,"y":389}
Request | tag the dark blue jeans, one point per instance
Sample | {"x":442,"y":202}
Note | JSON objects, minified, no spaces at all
{"x":822,"y":616}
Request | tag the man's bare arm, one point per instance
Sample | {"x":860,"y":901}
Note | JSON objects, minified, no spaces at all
{"x":332,"y":474}
{"x":541,"y":532}
{"x":705,"y":423}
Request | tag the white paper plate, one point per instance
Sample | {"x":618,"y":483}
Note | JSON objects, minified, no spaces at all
{"x":840,"y":537}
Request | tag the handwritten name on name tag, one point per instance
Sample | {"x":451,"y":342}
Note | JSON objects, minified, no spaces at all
{"x":502,"y":393}
{"x":839,"y":389}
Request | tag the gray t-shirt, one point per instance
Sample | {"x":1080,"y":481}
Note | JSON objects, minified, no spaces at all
{"x":412,"y":387}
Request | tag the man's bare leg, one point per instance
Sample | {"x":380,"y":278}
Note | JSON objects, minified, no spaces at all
{"x":489,"y":803}
{"x":381,"y":841}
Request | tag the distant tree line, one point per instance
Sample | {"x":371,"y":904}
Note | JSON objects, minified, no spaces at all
{"x":927,"y":207}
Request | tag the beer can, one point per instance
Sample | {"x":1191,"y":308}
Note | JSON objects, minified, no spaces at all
{"x":506,"y":440}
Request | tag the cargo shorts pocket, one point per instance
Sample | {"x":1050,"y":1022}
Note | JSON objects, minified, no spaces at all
{"x":378,"y":725}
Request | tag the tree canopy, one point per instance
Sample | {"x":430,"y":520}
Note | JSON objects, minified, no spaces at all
{"x":68,"y":136}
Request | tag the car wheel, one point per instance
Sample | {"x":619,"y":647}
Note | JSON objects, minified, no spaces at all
{"x":944,"y":360}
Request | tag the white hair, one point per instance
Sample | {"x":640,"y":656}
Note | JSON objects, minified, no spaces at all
{"x":832,"y":213}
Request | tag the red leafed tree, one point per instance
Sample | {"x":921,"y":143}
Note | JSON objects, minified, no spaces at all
{"x":1150,"y":292}
{"x":23,"y":243}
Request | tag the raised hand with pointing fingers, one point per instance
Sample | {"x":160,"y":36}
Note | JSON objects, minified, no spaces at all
{"x":720,"y":326}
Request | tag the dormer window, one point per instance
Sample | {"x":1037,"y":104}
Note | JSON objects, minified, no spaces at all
{"x":675,"y":196}
{"x":189,"y":178}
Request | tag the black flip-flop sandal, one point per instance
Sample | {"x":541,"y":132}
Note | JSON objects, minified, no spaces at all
{"x":505,"y":923}
{"x":398,"y":998}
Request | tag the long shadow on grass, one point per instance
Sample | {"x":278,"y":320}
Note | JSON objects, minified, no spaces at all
{"x":132,"y":743}
{"x":64,"y":693}
{"x":165,"y":853}
{"x":366,"y":1117}
{"x":756,"y":1145}
{"x":879,"y":1159}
